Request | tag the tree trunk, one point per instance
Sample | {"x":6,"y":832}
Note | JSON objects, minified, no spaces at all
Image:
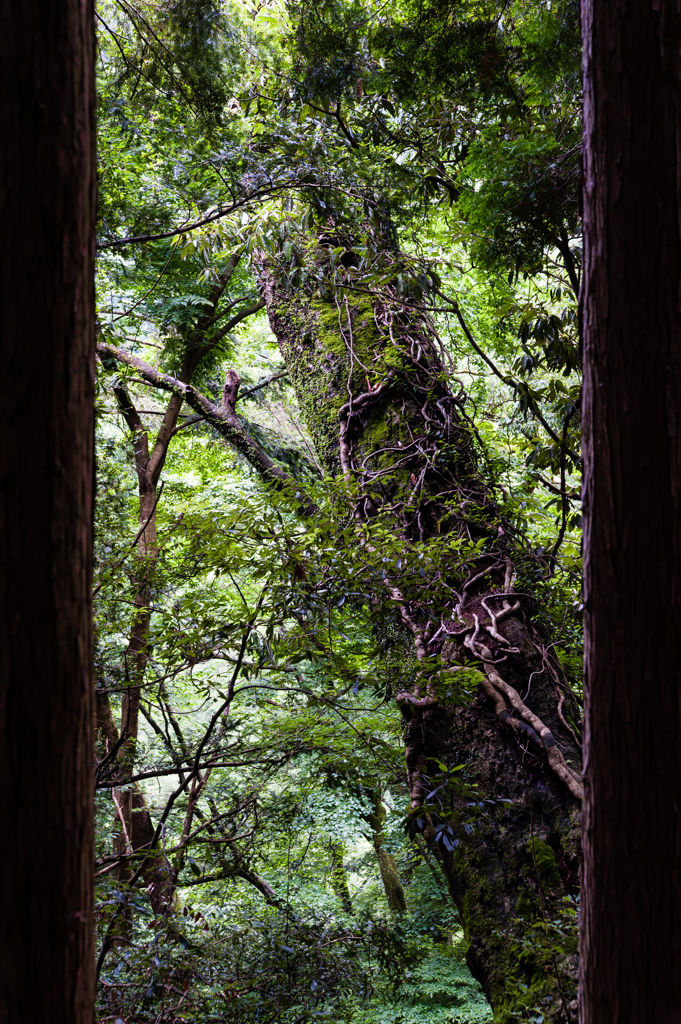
{"x":376,"y":399}
{"x":394,"y":890}
{"x":134,"y":827}
{"x":339,"y":880}
{"x":631,"y":918}
{"x":47,"y":210}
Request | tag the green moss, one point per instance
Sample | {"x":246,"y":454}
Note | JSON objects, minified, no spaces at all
{"x":318,"y":359}
{"x":480,"y":918}
{"x":526,"y":953}
{"x":525,"y":956}
{"x":528,"y":905}
{"x":315,"y":358}
{"x":547,"y":867}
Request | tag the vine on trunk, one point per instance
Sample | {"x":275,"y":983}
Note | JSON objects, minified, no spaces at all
{"x":387,"y":414}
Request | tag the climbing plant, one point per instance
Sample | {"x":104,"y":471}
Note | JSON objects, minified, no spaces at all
{"x":337,"y":563}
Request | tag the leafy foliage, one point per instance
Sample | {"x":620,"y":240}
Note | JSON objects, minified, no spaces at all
{"x":434,"y":150}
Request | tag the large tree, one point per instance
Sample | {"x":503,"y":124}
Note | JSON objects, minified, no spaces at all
{"x":47,"y":185}
{"x":376,"y":397}
{"x":631,"y":898}
{"x":481,"y":684}
{"x":456,"y":581}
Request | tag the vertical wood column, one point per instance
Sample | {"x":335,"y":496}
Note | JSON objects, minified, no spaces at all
{"x":47,"y":210}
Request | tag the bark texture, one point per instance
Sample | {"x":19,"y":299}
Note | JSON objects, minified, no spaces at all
{"x":385,"y":415}
{"x":631,"y":919}
{"x":394,"y":890}
{"x":47,"y":209}
{"x":338,"y":877}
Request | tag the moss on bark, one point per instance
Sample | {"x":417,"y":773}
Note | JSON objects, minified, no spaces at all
{"x":411,"y":453}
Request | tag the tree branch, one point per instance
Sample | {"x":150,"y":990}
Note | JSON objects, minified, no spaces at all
{"x":260,"y":195}
{"x":262,"y":384}
{"x":509,"y":381}
{"x":232,"y":323}
{"x":222,"y":418}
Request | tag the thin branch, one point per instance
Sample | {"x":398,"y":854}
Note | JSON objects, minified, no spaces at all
{"x":262,"y":384}
{"x":232,"y":323}
{"x":260,"y":195}
{"x":139,"y":533}
{"x":190,"y":421}
{"x":223,"y":418}
{"x":134,"y":239}
{"x":127,"y":312}
{"x":509,"y":381}
{"x":206,"y":736}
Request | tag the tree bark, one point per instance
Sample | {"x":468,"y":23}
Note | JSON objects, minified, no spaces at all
{"x":631,"y":891}
{"x":339,"y":880}
{"x":47,"y":210}
{"x":376,"y":399}
{"x":394,"y":890}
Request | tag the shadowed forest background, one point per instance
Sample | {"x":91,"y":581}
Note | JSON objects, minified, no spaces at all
{"x":337,"y":561}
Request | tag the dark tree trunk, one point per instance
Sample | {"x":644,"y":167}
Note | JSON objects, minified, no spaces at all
{"x":47,"y":209}
{"x":631,"y":920}
{"x":376,"y":399}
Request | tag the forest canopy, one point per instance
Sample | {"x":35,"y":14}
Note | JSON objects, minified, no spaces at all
{"x":337,"y":558}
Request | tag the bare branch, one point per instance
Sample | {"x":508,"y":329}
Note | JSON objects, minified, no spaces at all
{"x":222,"y":418}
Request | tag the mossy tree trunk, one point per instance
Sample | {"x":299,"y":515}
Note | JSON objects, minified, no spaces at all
{"x":394,"y":890}
{"x":339,"y":880}
{"x":379,"y":405}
